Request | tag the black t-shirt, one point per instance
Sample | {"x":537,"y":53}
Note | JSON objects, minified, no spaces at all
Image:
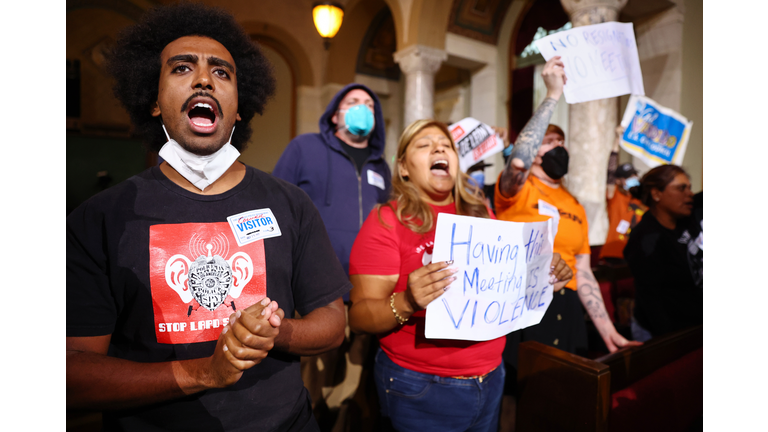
{"x":161,"y":269}
{"x":695,"y":224}
{"x":667,"y":268}
{"x":359,"y":155}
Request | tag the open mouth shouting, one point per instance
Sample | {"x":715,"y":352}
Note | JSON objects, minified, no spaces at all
{"x":203,"y":113}
{"x":439,"y":168}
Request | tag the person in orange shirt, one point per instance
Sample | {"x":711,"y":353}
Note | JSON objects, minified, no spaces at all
{"x":624,"y":210}
{"x":520,"y":197}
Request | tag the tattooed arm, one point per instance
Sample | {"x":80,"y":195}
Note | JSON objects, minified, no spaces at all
{"x":592,"y":299}
{"x":613,"y":163}
{"x":528,"y":142}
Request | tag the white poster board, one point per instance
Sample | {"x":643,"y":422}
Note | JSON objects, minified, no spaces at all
{"x":475,"y":141}
{"x":600,"y":61}
{"x":503,"y":279}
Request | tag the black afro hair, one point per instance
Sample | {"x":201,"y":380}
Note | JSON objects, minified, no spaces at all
{"x":134,"y":62}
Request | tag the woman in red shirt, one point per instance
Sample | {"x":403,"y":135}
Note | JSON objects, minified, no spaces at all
{"x":423,"y":384}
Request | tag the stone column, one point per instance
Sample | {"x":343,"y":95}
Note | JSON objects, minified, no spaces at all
{"x":419,"y":63}
{"x":660,"y":48}
{"x":308,"y":109}
{"x":591,"y":128}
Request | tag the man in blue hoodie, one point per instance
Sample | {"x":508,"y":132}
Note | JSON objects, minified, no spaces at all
{"x":343,"y":171}
{"x":342,"y":168}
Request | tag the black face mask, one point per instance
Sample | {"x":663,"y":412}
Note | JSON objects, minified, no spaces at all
{"x":555,"y":163}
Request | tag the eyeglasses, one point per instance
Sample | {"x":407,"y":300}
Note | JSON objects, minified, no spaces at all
{"x":556,"y":142}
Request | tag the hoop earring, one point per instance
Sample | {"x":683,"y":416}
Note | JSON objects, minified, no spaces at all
{"x":404,"y":179}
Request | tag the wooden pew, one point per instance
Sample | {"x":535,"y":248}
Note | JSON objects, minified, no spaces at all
{"x":654,"y":387}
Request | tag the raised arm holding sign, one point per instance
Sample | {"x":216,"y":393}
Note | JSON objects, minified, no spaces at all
{"x":528,"y":143}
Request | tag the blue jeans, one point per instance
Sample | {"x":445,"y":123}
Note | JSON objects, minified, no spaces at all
{"x":419,"y":402}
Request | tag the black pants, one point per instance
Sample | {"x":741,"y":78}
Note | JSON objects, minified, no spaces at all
{"x":562,"y":327}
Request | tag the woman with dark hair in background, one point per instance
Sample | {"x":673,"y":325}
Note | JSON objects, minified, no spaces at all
{"x":424,"y":384}
{"x":665,"y":256}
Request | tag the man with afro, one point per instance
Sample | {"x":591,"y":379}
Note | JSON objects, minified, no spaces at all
{"x":183,"y":282}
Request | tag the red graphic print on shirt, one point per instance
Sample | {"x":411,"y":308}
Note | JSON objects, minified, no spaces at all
{"x":199,"y":276}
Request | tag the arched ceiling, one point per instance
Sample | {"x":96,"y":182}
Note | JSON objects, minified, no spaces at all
{"x":478,"y":19}
{"x":126,"y":8}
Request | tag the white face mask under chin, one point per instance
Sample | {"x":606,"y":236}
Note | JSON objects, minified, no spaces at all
{"x":201,"y":171}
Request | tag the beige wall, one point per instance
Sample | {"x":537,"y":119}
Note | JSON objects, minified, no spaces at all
{"x":345,"y":46}
{"x":272,"y":131}
{"x":692,"y":99}
{"x":293,"y":17}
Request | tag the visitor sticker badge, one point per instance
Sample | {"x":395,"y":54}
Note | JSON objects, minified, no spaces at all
{"x":254,"y":225}
{"x":547,"y":209}
{"x":622,"y":227}
{"x":375,"y":179}
{"x":693,"y":248}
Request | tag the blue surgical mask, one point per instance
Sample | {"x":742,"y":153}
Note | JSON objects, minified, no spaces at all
{"x":477,"y":178}
{"x":508,"y":150}
{"x":358,"y":120}
{"x":631,"y":182}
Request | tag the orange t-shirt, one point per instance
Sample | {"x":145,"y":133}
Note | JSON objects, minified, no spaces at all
{"x":572,"y":231}
{"x":624,"y":212}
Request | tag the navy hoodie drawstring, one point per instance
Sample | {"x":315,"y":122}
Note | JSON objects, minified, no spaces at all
{"x":328,"y":183}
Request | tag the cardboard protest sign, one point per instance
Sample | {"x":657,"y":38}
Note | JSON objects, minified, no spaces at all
{"x":653,"y":133}
{"x":503,"y":279}
{"x":600,"y":61}
{"x":475,"y":141}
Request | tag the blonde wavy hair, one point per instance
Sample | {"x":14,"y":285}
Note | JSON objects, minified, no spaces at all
{"x":411,"y":210}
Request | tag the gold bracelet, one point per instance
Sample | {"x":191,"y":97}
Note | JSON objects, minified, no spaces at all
{"x":400,"y":320}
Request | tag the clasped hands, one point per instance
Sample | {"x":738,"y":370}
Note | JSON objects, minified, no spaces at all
{"x":245,"y":341}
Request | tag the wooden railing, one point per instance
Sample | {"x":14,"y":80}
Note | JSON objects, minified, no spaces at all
{"x":558,"y":391}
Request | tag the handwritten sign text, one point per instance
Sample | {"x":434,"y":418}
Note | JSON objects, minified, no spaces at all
{"x":503,"y":279}
{"x":600,"y":61}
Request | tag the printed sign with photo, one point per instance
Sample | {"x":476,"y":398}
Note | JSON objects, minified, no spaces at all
{"x":653,"y":133}
{"x":475,"y":141}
